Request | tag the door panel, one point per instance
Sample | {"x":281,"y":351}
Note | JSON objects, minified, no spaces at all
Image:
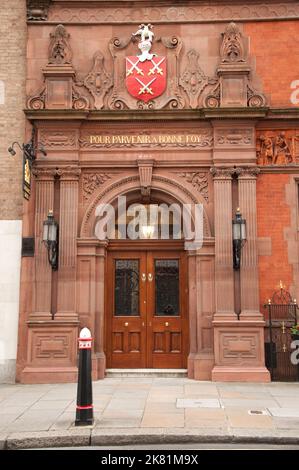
{"x":126,"y":341}
{"x":166,"y":314}
{"x":146,"y":310}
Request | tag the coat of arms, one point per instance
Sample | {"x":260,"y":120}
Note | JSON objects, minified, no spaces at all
{"x":145,"y":73}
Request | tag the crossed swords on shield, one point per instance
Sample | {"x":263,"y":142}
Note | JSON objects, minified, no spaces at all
{"x":145,"y":87}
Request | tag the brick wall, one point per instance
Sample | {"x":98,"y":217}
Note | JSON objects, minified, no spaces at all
{"x":273,"y":214}
{"x":275,"y":46}
{"x":12,"y":103}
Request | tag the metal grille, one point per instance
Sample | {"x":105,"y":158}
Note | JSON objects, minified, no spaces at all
{"x":282,"y":315}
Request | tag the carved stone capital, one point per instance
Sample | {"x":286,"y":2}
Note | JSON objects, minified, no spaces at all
{"x":145,"y":168}
{"x":44,"y":174}
{"x":222,"y":172}
{"x":37,"y":10}
{"x":247,"y":172}
{"x":68,"y":173}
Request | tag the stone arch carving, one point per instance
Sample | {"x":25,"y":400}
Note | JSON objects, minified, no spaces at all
{"x":129,"y":184}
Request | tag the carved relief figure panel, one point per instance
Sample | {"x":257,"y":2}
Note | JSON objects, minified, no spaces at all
{"x":277,"y":147}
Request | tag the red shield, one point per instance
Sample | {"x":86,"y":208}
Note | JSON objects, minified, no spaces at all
{"x":146,"y":80}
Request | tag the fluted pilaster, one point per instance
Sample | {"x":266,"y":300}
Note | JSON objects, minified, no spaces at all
{"x":224,"y":276}
{"x":68,"y":222}
{"x":249,"y":258}
{"x":44,"y":201}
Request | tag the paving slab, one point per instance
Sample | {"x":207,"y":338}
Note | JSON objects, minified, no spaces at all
{"x":285,"y":412}
{"x":198,"y":403}
{"x":165,"y":420}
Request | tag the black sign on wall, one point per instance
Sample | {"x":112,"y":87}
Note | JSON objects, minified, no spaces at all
{"x":27,"y":246}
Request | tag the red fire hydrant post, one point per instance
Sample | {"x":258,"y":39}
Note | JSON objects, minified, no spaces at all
{"x":84,"y":409}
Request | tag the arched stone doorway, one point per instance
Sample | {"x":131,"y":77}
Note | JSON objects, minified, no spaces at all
{"x":148,"y":337}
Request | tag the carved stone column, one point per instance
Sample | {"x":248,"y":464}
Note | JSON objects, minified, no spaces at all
{"x":249,"y":261}
{"x":224,"y":276}
{"x":44,"y":201}
{"x":68,"y":223}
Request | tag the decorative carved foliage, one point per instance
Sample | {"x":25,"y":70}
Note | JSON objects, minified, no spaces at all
{"x":199,"y":181}
{"x":232,"y":47}
{"x":37,"y":10}
{"x":91,"y":181}
{"x":255,"y":99}
{"x":79,"y":101}
{"x":59,"y":50}
{"x":212,"y":100}
{"x":193,"y":79}
{"x":222,"y":172}
{"x":98,"y":81}
{"x":278,"y":148}
{"x":37,"y":101}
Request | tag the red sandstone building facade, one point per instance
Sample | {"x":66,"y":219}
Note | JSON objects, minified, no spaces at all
{"x":221,"y":131}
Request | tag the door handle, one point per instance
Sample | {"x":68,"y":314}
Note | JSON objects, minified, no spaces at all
{"x":166,"y":323}
{"x":126,"y":323}
{"x":150,"y":277}
{"x":143,"y":277}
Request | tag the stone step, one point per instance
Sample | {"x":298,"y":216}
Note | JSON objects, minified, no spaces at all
{"x":146,"y":372}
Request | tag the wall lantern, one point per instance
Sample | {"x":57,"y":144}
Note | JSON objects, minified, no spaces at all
{"x":50,"y":239}
{"x":29,"y":152}
{"x":239,"y":238}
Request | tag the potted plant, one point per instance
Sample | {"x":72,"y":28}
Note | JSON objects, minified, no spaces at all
{"x":295,"y":332}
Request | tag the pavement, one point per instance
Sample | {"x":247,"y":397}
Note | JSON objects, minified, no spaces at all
{"x":149,"y":411}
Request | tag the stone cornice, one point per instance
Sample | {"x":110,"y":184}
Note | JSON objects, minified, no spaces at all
{"x":164,"y":11}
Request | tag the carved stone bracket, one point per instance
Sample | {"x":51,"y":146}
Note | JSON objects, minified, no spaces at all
{"x":98,"y":81}
{"x":92,"y":181}
{"x":145,"y":168}
{"x":37,"y":10}
{"x":199,"y":181}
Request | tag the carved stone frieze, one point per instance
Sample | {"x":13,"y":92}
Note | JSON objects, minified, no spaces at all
{"x":196,"y":13}
{"x":193,"y":79}
{"x":199,"y":181}
{"x":232,"y":47}
{"x":37,"y":10}
{"x":91,"y":181}
{"x":98,"y":81}
{"x":57,"y":139}
{"x":195,"y":138}
{"x":59,"y":49}
{"x":278,"y":147}
{"x":234,"y":137}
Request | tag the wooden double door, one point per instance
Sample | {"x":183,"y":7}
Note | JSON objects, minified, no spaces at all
{"x":147,"y":322}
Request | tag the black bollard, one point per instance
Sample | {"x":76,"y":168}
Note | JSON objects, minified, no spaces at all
{"x":84,"y":409}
